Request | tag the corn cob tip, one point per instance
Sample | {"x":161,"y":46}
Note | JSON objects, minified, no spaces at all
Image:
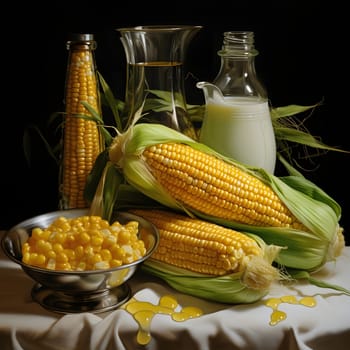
{"x":259,"y":273}
{"x":337,"y":246}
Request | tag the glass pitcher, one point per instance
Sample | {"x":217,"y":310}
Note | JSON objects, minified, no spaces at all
{"x":155,"y":77}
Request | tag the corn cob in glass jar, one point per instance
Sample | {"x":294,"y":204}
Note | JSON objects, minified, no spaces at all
{"x":82,"y":141}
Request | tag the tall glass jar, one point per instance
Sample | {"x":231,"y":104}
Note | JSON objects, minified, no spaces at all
{"x":155,"y":77}
{"x":237,"y":121}
{"x":82,"y":139}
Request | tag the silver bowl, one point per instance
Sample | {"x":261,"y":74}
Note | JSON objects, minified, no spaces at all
{"x":78,"y":291}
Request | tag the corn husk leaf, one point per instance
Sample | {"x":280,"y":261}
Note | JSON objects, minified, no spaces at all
{"x":95,"y":175}
{"x":290,"y":110}
{"x":95,"y":116}
{"x":224,"y":289}
{"x":304,"y":275}
{"x":164,"y":101}
{"x":106,"y":192}
{"x":108,"y":98}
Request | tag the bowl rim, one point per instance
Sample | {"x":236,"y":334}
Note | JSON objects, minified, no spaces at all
{"x":72,"y":213}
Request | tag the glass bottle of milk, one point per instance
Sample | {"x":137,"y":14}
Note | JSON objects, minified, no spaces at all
{"x":237,"y":121}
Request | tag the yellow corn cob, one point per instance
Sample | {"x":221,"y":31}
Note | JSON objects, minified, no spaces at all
{"x":209,"y":185}
{"x":207,"y":248}
{"x":198,"y":245}
{"x":82,"y":140}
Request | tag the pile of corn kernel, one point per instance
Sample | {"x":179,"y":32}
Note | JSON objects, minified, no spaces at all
{"x":83,"y":243}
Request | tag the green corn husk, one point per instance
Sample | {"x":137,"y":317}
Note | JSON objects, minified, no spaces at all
{"x":305,"y":251}
{"x":224,"y":289}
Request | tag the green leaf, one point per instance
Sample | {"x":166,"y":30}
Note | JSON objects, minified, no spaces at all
{"x":111,"y":100}
{"x":224,"y":289}
{"x":106,"y":192}
{"x":95,"y":175}
{"x":301,"y":137}
{"x":313,"y":191}
{"x":290,"y":110}
{"x":300,"y":274}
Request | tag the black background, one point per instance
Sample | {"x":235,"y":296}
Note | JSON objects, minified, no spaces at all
{"x":302,"y":61}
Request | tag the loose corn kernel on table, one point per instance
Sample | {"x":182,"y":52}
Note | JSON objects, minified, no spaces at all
{"x":24,"y":324}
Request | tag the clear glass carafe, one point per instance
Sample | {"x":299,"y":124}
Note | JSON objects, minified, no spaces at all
{"x":237,"y":121}
{"x":155,"y":76}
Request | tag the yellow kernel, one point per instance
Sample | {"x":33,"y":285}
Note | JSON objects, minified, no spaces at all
{"x":116,"y":224}
{"x":61,"y":257}
{"x":96,"y":240}
{"x":100,"y":265}
{"x":115,"y":263}
{"x":51,"y":254}
{"x":71,"y":240}
{"x":128,"y":249}
{"x":73,"y":264}
{"x":79,"y":251}
{"x":84,"y":238}
{"x":104,"y":224}
{"x":128,"y":259}
{"x":95,"y":259}
{"x":36,"y":233}
{"x":61,"y":223}
{"x":124,"y":237}
{"x":37,"y":259}
{"x":57,"y":247}
{"x":26,"y":258}
{"x":60,"y":237}
{"x":42,"y":246}
{"x":32,"y":258}
{"x":132,"y":226}
{"x":118,"y":252}
{"x":25,"y":248}
{"x":89,"y":250}
{"x":106,"y":254}
{"x":41,"y":259}
{"x":70,"y":254}
{"x":109,"y":241}
{"x":63,"y":266}
{"x":51,"y":264}
{"x":81,"y":266}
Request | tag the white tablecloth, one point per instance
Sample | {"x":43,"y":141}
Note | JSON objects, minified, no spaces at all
{"x":24,"y":324}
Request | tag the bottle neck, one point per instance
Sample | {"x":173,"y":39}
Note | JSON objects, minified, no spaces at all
{"x":238,"y":44}
{"x":237,"y":75}
{"x":81,"y":42}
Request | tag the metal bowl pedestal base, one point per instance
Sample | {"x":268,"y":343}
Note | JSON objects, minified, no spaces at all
{"x":62,"y":302}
